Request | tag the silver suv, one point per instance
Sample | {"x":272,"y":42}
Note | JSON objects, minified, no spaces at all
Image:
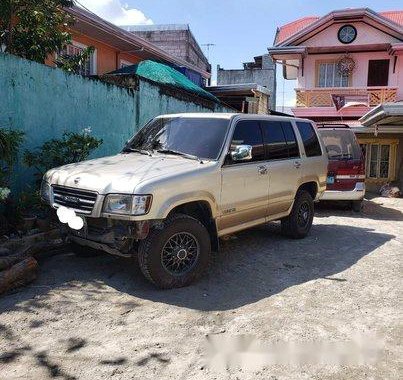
{"x":183,"y":181}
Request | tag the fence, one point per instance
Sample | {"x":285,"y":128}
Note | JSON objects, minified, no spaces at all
{"x":44,"y":102}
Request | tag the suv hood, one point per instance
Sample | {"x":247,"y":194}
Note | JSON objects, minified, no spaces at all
{"x":120,"y":173}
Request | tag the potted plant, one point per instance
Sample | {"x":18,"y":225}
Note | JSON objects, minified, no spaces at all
{"x":4,"y":193}
{"x":27,"y":210}
{"x":10,"y":141}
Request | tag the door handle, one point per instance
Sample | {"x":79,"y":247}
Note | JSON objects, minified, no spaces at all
{"x":262,"y":169}
{"x":297,"y":164}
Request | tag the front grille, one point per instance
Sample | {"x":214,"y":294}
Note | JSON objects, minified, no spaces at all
{"x":79,"y":200}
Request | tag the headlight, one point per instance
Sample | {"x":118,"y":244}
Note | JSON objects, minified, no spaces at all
{"x":46,"y":192}
{"x":127,"y":204}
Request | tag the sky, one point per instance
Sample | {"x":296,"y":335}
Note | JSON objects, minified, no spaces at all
{"x":240,"y":29}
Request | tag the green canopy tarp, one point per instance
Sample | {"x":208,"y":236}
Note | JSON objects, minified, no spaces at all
{"x":163,"y":74}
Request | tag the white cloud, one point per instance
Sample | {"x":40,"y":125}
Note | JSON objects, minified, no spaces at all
{"x":116,"y":12}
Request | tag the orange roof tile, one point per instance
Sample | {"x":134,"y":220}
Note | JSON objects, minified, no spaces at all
{"x":291,"y":28}
{"x":395,"y":16}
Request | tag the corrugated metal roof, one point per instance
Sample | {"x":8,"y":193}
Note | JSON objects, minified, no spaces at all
{"x":287,"y":30}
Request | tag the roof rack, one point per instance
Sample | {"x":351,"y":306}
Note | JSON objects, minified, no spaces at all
{"x":324,"y":125}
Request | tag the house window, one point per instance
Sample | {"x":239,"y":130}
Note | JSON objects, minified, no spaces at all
{"x":378,"y":72}
{"x":328,"y":76}
{"x":89,"y":66}
{"x":378,"y":161}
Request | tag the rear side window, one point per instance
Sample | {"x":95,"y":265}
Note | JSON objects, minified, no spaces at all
{"x":275,"y":141}
{"x":340,"y":144}
{"x":309,"y":138}
{"x":248,"y":132}
{"x":291,"y":140}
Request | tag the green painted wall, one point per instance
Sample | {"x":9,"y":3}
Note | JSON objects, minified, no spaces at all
{"x":44,"y":102}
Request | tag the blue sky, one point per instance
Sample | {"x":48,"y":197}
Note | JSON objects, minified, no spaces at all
{"x":240,"y":29}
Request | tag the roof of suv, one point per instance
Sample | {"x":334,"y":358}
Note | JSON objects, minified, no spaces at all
{"x":219,"y":115}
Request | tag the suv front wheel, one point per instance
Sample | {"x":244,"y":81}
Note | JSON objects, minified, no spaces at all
{"x":176,"y":254}
{"x":298,"y":224}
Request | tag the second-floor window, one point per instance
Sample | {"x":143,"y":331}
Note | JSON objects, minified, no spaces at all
{"x":89,"y":67}
{"x":328,"y":76}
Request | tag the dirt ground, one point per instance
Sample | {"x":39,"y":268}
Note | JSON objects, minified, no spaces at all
{"x":97,"y":318}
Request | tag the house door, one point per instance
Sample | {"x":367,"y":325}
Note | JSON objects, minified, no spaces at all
{"x":378,"y":72}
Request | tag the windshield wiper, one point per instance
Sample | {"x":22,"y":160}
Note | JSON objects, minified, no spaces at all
{"x":175,"y":152}
{"x":141,"y":151}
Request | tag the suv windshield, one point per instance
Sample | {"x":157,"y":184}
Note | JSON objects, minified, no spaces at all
{"x":340,"y":144}
{"x":201,"y":137}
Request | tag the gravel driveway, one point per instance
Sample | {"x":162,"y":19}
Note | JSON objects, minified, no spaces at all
{"x":97,"y":318}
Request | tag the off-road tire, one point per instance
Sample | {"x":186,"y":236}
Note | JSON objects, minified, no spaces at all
{"x":356,"y":206}
{"x":151,"y":248}
{"x":290,"y":226}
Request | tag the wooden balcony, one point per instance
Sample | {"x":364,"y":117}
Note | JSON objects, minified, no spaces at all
{"x":322,"y":97}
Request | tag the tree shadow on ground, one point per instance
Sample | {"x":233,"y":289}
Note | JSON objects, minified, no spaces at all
{"x":253,"y":265}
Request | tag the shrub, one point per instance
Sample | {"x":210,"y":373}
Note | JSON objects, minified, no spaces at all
{"x":72,"y":147}
{"x":10,"y":142}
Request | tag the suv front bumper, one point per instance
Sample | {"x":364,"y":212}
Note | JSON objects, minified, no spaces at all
{"x":356,"y":194}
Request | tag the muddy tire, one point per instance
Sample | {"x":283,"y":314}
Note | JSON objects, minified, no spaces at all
{"x":176,"y":254}
{"x":298,"y":224}
{"x":356,"y":206}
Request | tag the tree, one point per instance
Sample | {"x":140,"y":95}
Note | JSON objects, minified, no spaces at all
{"x":33,"y":29}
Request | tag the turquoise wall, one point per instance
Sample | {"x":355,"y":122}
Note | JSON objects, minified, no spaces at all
{"x":44,"y":102}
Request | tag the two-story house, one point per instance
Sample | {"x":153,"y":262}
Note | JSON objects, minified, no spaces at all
{"x":115,"y":47}
{"x":345,"y":64}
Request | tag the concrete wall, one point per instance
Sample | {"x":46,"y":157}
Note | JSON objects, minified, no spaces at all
{"x":265,"y":76}
{"x":177,"y":42}
{"x":44,"y":102}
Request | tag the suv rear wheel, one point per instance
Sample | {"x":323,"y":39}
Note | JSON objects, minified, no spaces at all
{"x":298,"y":224}
{"x":177,"y":254}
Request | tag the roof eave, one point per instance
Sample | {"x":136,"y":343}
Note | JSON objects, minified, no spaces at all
{"x":334,"y":15}
{"x":381,"y":112}
{"x":97,"y":22}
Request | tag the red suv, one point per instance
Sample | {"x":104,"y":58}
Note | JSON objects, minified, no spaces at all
{"x":346,"y":169}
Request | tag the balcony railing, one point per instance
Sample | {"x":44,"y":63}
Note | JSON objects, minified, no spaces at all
{"x":322,"y":97}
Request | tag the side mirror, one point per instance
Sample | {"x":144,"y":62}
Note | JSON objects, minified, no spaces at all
{"x":241,"y":153}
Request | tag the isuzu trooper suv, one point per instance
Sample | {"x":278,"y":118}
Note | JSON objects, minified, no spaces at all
{"x":183,"y":181}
